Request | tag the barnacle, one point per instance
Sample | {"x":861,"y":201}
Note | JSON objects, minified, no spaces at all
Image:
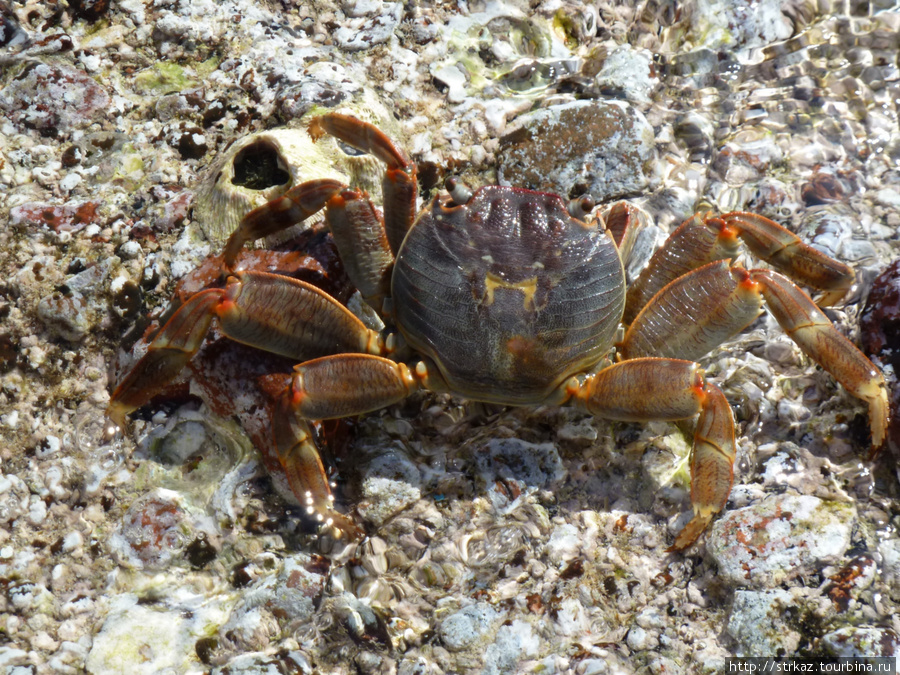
{"x":265,"y":165}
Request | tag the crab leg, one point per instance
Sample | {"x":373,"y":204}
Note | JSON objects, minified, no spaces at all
{"x":349,"y":384}
{"x":694,"y":314}
{"x":356,"y":226}
{"x":670,"y":389}
{"x":169,"y":352}
{"x":697,"y":241}
{"x":819,"y":339}
{"x":703,"y":308}
{"x":359,"y":233}
{"x":790,"y":255}
{"x":330,"y":387}
{"x":290,"y":317}
{"x":294,"y":206}
{"x":278,"y":314}
{"x":399,"y":187}
{"x":306,"y":475}
{"x":703,"y":239}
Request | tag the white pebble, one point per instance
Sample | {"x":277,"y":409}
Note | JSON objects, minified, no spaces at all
{"x":37,"y":511}
{"x":72,"y":541}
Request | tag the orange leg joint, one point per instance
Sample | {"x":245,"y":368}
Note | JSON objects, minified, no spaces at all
{"x":670,"y":389}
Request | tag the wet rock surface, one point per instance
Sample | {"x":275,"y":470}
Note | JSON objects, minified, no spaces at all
{"x":779,"y":538}
{"x":857,"y":642}
{"x":603,"y":149}
{"x":501,"y":540}
{"x":756,"y":623}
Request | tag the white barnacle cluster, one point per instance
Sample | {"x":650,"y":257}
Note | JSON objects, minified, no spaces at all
{"x":265,"y":165}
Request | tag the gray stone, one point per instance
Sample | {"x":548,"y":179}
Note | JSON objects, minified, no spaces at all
{"x":600,"y":148}
{"x":757,"y":623}
{"x":779,"y":538}
{"x":859,"y":641}
{"x":391,"y":483}
{"x":464,"y":628}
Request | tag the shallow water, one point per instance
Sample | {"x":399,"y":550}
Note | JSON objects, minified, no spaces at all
{"x":501,"y":540}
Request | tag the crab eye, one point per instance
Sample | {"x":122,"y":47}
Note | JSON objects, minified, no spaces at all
{"x":459,"y":193}
{"x":581,"y":206}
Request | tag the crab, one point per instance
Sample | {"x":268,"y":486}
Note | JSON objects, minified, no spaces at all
{"x":510,"y":296}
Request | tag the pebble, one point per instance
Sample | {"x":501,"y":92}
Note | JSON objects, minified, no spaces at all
{"x":153,"y":531}
{"x":860,"y":641}
{"x":530,"y":464}
{"x":53,"y":98}
{"x":464,"y":628}
{"x":37,"y":511}
{"x":756,"y":623}
{"x":65,"y":315}
{"x":564,"y":543}
{"x":630,"y":70}
{"x":747,"y":159}
{"x":364,"y":32}
{"x":779,"y":538}
{"x":69,"y":217}
{"x":890,"y":565}
{"x":72,"y":541}
{"x":275,"y":601}
{"x":828,"y":228}
{"x":638,"y":639}
{"x":720,"y":23}
{"x":390,"y":483}
{"x":572,"y":618}
{"x":10,"y":655}
{"x":600,"y":148}
{"x":145,"y":641}
{"x":514,"y":642}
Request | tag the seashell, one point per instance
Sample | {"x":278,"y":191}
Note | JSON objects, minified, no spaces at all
{"x":264,"y":165}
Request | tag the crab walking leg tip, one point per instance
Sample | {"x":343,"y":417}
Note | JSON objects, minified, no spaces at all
{"x":691,"y":532}
{"x":303,"y":467}
{"x":879,"y":418}
{"x":116,"y":414}
{"x":817,"y":337}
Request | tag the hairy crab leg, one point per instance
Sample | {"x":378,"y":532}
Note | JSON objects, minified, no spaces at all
{"x":302,"y":464}
{"x":817,"y":337}
{"x":356,"y":226}
{"x":359,"y":233}
{"x":712,"y":465}
{"x":327,"y":388}
{"x":702,"y":309}
{"x":291,"y":317}
{"x":697,"y":241}
{"x":694,"y":314}
{"x":671,"y":389}
{"x":278,"y":314}
{"x":294,"y":206}
{"x":349,"y":384}
{"x":172,"y":348}
{"x":399,"y":186}
{"x":703,"y":239}
{"x":792,"y":256}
